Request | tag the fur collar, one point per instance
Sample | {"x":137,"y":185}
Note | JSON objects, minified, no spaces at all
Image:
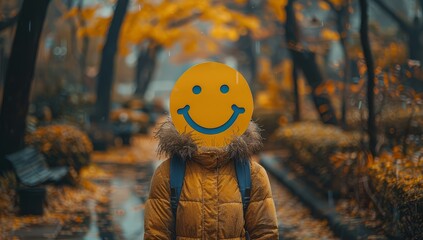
{"x":242,"y":147}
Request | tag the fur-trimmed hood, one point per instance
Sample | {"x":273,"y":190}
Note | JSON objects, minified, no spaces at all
{"x":171,"y":142}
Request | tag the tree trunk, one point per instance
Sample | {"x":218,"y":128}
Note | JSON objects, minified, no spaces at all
{"x":19,"y":75}
{"x":140,"y":69}
{"x":72,"y":49}
{"x":414,"y":41}
{"x":249,"y":60}
{"x":250,"y":50}
{"x":365,"y":43}
{"x":346,"y":80}
{"x":83,"y":61}
{"x":106,"y":73}
{"x":84,"y":49}
{"x":146,"y":65}
{"x":297,"y":111}
{"x":306,"y":61}
{"x":252,"y":60}
{"x":342,"y":29}
{"x":246,"y":45}
{"x":3,"y":60}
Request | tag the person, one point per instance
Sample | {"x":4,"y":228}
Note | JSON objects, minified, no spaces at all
{"x":210,"y":204}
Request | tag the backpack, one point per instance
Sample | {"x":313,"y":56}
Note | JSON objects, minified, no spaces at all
{"x":177,"y":174}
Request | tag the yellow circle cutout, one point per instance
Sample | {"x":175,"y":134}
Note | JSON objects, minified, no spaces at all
{"x":212,"y":102}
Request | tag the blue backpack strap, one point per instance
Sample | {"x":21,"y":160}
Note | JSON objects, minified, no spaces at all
{"x":177,"y":174}
{"x":243,"y":175}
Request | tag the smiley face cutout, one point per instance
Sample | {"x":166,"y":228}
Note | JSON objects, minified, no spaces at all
{"x":213,"y":103}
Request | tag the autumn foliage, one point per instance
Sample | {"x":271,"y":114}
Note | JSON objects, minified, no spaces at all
{"x":62,"y":145}
{"x":334,"y":160}
{"x":398,"y":182}
{"x":192,"y":23}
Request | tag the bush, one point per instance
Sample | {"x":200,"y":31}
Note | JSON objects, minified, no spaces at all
{"x":267,"y":120}
{"x":396,"y":123}
{"x":8,"y":185}
{"x":398,"y":187}
{"x":334,"y":160}
{"x":62,"y":145}
{"x":325,"y":152}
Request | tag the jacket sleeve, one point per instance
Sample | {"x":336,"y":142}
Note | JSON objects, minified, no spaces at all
{"x":261,"y":222}
{"x":158,"y":219}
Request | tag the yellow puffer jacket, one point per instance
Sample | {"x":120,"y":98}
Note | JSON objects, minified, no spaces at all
{"x":210,"y":206}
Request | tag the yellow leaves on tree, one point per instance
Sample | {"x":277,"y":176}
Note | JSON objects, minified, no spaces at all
{"x":72,"y":13}
{"x":394,"y":53}
{"x":223,"y":32}
{"x":227,"y":24}
{"x":327,"y":87}
{"x":244,"y":22}
{"x":240,"y":2}
{"x":329,"y":35}
{"x":270,"y":97}
{"x":327,"y":4}
{"x":85,"y":13}
{"x":277,"y":7}
{"x":195,"y":41}
{"x":218,"y":14}
{"x":338,"y":3}
{"x":96,"y":29}
{"x":324,"y":5}
{"x":168,"y":22}
{"x":284,"y":69}
{"x":192,"y":48}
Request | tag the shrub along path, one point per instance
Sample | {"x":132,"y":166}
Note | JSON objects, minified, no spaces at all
{"x":345,"y":216}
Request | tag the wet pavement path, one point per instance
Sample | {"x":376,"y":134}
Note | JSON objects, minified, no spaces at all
{"x":121,"y":217}
{"x":295,"y":220}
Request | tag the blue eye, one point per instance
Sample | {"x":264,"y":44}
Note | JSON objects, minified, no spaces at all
{"x":196,"y":89}
{"x":224,"y":88}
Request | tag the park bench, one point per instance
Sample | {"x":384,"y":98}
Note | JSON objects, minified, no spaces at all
{"x":31,"y":168}
{"x":32,"y":171}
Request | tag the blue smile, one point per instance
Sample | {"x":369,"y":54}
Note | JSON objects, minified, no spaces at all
{"x":237,"y":110}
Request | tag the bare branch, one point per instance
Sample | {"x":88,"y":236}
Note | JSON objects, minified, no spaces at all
{"x":404,"y":26}
{"x":8,"y":22}
{"x":365,"y":44}
{"x":184,"y":21}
